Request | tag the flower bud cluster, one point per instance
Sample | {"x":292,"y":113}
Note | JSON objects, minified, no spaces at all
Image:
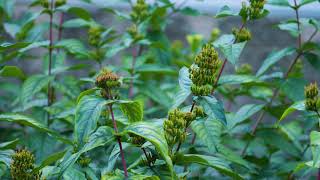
{"x":108,"y":82}
{"x":254,"y":11}
{"x":203,"y":72}
{"x":94,"y":35}
{"x":140,"y":11}
{"x":134,"y":33}
{"x":311,"y":93}
{"x":135,"y":139}
{"x":177,"y":122}
{"x":241,"y":35}
{"x":44,"y":3}
{"x":244,"y":69}
{"x":22,"y":166}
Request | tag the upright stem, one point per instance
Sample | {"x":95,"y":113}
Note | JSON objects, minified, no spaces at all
{"x":275,"y":93}
{"x":119,"y":142}
{"x":50,"y":95}
{"x":136,"y":53}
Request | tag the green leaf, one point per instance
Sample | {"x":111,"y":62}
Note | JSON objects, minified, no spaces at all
{"x":273,"y":58}
{"x":33,"y":85}
{"x":314,"y":60}
{"x":50,"y":160}
{"x":217,"y":163}
{"x":244,"y":113}
{"x":115,"y":153}
{"x":291,"y":27}
{"x":133,"y":110}
{"x":209,"y":131}
{"x":102,"y":136}
{"x":293,"y":88}
{"x":8,"y":46}
{"x":74,"y":173}
{"x":304,"y":2}
{"x":224,"y":12}
{"x":279,"y":2}
{"x":213,"y":108}
{"x":80,"y":12}
{"x":189,"y":11}
{"x":315,"y":147}
{"x":28,"y":121}
{"x":35,"y":45}
{"x":300,"y":106}
{"x":87,"y":115}
{"x":232,"y":52}
{"x":156,"y":68}
{"x":77,"y":23}
{"x":185,"y":85}
{"x":73,"y":46}
{"x":12,"y":71}
{"x":237,"y":79}
{"x":5,"y":157}
{"x":153,"y":134}
{"x":8,"y":7}
{"x":9,"y":144}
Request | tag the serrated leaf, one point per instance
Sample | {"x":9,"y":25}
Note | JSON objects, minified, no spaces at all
{"x":12,"y":71}
{"x":300,"y":106}
{"x":213,"y":108}
{"x":185,"y":85}
{"x":28,"y":121}
{"x":153,"y":134}
{"x":33,"y":85}
{"x":224,"y":12}
{"x":133,"y":110}
{"x":232,"y":52}
{"x":273,"y":58}
{"x":217,"y":163}
{"x":87,"y":115}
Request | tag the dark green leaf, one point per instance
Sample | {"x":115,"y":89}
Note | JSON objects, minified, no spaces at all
{"x":133,"y":110}
{"x":12,"y":71}
{"x":213,"y":108}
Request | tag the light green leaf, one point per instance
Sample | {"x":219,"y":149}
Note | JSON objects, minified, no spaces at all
{"x":152,"y":133}
{"x":244,"y":113}
{"x":217,"y":163}
{"x":28,"y":121}
{"x":76,"y":23}
{"x":156,"y":68}
{"x":73,"y":46}
{"x":12,"y":71}
{"x":224,"y":12}
{"x":279,"y":2}
{"x":50,"y":160}
{"x":87,"y":115}
{"x":9,"y":144}
{"x":80,"y":12}
{"x":237,"y":79}
{"x":185,"y":85}
{"x":315,"y":146}
{"x":304,"y":2}
{"x":133,"y":110}
{"x":35,"y":45}
{"x":232,"y":52}
{"x":300,"y":106}
{"x":102,"y":136}
{"x":273,"y":58}
{"x":213,"y":108}
{"x":33,"y":85}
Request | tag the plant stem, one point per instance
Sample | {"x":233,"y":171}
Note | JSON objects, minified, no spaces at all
{"x":135,"y":53}
{"x":119,"y":142}
{"x":50,"y":95}
{"x":275,"y":93}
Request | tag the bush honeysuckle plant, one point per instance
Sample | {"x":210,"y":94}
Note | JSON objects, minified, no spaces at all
{"x":134,"y":104}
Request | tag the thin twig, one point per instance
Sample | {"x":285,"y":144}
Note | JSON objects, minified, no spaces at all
{"x":50,"y":97}
{"x":135,"y":55}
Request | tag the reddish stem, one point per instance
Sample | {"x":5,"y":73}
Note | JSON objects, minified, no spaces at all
{"x":50,"y":97}
{"x":119,"y":142}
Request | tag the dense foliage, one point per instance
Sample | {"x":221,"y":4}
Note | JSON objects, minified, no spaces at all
{"x":133,"y":104}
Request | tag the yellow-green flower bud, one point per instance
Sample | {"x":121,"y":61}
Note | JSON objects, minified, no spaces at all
{"x":139,"y":11}
{"x":94,"y":35}
{"x":22,"y":166}
{"x":241,"y":35}
{"x":214,"y":34}
{"x":44,"y":3}
{"x":311,"y":91}
{"x":134,"y":33}
{"x":84,"y":161}
{"x":311,"y":104}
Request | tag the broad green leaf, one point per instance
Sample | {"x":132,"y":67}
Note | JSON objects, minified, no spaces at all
{"x":232,"y":52}
{"x":213,"y":108}
{"x":80,"y":12}
{"x":155,"y":68}
{"x":279,"y":2}
{"x":9,"y":144}
{"x":217,"y":163}
{"x":73,"y":46}
{"x":153,"y":134}
{"x":8,"y":7}
{"x":304,"y":2}
{"x":12,"y":29}
{"x":35,"y":45}
{"x":115,"y":153}
{"x":77,"y":23}
{"x":291,"y":27}
{"x":133,"y":110}
{"x":5,"y":157}
{"x":293,"y":88}
{"x":33,"y":85}
{"x":102,"y":136}
{"x":50,"y":160}
{"x":244,"y":113}
{"x":28,"y":121}
{"x":225,"y":11}
{"x":160,"y":97}
{"x":74,"y":173}
{"x":209,"y":131}
{"x":9,"y":46}
{"x":224,"y":40}
{"x":190,"y":11}
{"x":237,"y":79}
{"x":315,"y":146}
{"x":85,"y":93}
{"x":273,"y":58}
{"x":185,"y":85}
{"x":12,"y":71}
{"x":300,"y":106}
{"x":87,"y":115}
{"x":314,"y":60}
